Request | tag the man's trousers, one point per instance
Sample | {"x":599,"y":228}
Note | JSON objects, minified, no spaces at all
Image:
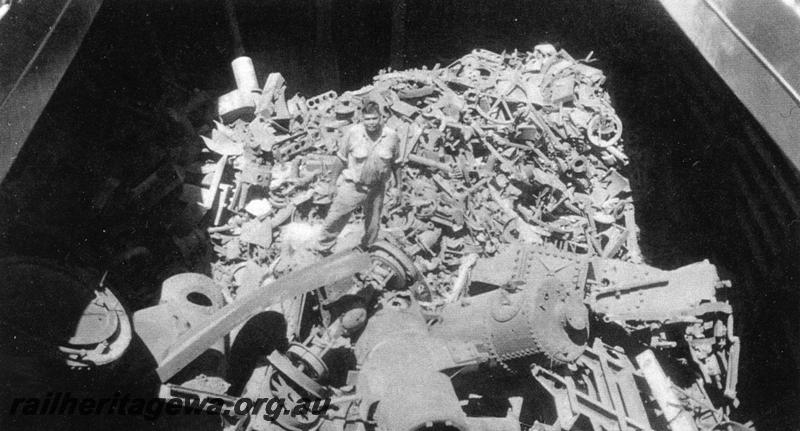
{"x":349,"y":196}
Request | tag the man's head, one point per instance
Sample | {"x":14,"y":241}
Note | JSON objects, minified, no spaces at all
{"x":371,"y":117}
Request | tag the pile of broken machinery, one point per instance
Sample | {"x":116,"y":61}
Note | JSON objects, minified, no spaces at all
{"x":507,"y":290}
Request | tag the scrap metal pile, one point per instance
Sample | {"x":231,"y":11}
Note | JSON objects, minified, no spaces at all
{"x":497,"y":149}
{"x":509,"y":249}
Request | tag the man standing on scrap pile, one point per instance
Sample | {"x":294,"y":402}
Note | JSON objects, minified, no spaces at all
{"x":369,"y":151}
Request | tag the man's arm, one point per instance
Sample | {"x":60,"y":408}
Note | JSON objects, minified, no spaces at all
{"x":397,"y":162}
{"x":336,"y":170}
{"x":342,"y":153}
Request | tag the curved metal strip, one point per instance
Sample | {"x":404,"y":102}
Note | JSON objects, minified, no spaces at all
{"x":37,"y":42}
{"x":754,"y":46}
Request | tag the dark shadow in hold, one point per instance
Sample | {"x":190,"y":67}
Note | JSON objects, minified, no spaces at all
{"x":262,"y":334}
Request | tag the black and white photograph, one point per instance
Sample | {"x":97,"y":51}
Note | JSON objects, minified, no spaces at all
{"x":400,"y":215}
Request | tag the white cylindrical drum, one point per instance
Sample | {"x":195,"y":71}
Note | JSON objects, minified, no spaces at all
{"x":244,"y":73}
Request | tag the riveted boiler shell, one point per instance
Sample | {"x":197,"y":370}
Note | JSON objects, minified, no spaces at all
{"x":531,"y":323}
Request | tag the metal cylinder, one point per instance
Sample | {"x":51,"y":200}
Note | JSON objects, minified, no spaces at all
{"x":493,"y":424}
{"x":245,"y":74}
{"x":395,"y":344}
{"x":546,"y":323}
